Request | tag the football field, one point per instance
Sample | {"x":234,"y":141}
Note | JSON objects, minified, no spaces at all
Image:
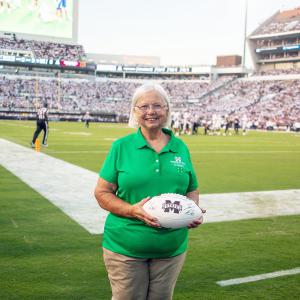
{"x":47,"y":255}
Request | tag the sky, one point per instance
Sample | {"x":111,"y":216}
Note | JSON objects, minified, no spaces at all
{"x":180,"y":32}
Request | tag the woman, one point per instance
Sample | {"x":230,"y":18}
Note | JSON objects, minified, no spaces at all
{"x":142,"y":259}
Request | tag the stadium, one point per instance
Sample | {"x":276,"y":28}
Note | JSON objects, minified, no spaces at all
{"x":241,"y":125}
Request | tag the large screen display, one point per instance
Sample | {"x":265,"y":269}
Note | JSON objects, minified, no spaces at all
{"x":38,"y":17}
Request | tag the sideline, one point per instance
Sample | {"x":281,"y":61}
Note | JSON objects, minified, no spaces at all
{"x":71,"y":187}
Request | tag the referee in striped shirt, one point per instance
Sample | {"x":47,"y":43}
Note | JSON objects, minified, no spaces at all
{"x":41,"y":124}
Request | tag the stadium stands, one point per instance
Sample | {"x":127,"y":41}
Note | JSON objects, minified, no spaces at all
{"x":262,"y":100}
{"x":23,"y":91}
{"x":275,"y":100}
{"x":270,"y":98}
{"x":46,"y":50}
{"x":277,"y":72}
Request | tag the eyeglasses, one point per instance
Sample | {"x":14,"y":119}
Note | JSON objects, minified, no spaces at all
{"x":147,"y":107}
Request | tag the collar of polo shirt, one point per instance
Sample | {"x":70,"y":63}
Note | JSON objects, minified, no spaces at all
{"x":140,"y":141}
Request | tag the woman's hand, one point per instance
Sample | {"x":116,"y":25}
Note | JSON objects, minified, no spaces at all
{"x":196,"y":223}
{"x":137,"y":211}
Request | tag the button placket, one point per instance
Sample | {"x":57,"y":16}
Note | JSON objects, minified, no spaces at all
{"x":157,"y":165}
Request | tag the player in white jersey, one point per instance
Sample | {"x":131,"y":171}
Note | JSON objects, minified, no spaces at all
{"x":216,"y":124}
{"x":244,"y":123}
{"x":195,"y":124}
{"x":187,"y":123}
{"x":177,"y":123}
{"x":87,"y":118}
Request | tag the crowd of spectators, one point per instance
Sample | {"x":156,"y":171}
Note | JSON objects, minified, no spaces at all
{"x":262,"y":101}
{"x":47,"y":50}
{"x":284,"y":21}
{"x":18,"y":92}
{"x":277,"y":72}
{"x":81,"y":94}
{"x":277,"y":27}
{"x":14,"y":44}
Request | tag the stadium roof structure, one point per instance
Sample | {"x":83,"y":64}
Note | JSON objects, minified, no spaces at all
{"x":275,"y":44}
{"x":280,"y":24}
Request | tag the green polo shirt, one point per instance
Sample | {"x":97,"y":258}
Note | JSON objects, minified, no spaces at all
{"x":139,"y":171}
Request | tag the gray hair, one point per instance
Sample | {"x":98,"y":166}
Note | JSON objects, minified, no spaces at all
{"x":139,"y":92}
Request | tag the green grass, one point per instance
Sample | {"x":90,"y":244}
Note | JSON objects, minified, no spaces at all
{"x":46,"y":255}
{"x":256,"y":162}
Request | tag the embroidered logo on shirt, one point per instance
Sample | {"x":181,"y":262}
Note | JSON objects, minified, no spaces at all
{"x":177,"y":162}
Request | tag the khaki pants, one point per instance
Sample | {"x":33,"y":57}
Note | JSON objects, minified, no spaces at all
{"x":142,"y":279}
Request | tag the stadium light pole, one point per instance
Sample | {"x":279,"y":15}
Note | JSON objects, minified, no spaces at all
{"x":245,"y":34}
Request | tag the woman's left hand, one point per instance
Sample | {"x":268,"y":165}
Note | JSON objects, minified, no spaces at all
{"x":196,"y":223}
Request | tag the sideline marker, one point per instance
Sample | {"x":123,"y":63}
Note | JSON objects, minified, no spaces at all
{"x":37,"y":145}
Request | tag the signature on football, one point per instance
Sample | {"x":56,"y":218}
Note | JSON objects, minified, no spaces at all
{"x":188,"y":211}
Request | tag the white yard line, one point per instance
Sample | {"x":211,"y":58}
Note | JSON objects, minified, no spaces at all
{"x":70,"y":188}
{"x":78,"y":133}
{"x":258,"y":277}
{"x":67,"y":186}
{"x":249,"y":205}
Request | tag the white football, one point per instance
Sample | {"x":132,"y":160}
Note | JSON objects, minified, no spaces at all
{"x":173,"y":210}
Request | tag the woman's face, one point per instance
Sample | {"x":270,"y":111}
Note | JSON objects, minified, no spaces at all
{"x":151,"y":110}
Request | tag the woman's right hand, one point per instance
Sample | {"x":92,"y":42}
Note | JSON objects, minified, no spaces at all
{"x":138,"y":212}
